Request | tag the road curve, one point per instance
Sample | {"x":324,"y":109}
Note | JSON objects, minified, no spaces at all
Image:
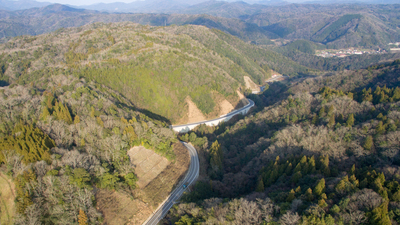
{"x":191,"y":176}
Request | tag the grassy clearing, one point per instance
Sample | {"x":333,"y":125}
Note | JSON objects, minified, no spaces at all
{"x":7,"y":196}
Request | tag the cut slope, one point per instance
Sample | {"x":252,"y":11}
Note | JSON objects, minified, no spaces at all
{"x":225,"y":107}
{"x":194,"y":114}
{"x":250,"y":84}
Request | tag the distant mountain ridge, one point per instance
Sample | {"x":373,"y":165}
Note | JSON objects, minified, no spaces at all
{"x":336,"y":26}
{"x":170,"y":6}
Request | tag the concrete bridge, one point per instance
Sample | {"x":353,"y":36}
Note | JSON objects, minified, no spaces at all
{"x":187,"y":127}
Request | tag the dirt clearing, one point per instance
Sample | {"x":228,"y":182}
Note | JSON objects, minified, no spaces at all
{"x":7,"y":196}
{"x":250,"y":84}
{"x":195,"y":115}
{"x":225,"y":107}
{"x":147,"y":164}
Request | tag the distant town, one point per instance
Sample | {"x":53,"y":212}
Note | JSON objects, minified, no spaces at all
{"x":328,"y":53}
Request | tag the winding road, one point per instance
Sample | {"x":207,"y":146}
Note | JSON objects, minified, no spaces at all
{"x":194,"y":168}
{"x":191,"y":176}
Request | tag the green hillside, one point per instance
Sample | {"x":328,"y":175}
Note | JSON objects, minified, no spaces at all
{"x":334,"y":30}
{"x":156,"y":68}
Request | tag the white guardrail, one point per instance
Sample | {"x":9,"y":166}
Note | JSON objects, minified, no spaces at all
{"x":184,"y":128}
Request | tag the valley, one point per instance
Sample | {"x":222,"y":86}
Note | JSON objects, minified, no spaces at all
{"x":208,"y":112}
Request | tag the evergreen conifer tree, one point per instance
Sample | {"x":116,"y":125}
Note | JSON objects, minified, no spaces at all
{"x":320,"y":188}
{"x":350,"y":120}
{"x":368,"y":143}
{"x":260,"y":185}
{"x":331,"y":122}
{"x":291,"y":196}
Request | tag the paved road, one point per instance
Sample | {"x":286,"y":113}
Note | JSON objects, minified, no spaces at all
{"x":190,"y":177}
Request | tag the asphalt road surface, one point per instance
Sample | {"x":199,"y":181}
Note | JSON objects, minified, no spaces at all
{"x":190,"y":177}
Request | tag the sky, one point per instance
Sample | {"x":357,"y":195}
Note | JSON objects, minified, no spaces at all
{"x":84,"y":2}
{"x":90,"y":2}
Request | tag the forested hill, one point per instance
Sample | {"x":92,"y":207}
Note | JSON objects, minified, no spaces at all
{"x":316,"y":151}
{"x":61,"y":137}
{"x":157,"y":68}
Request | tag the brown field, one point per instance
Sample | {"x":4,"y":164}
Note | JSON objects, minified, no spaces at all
{"x":122,"y":208}
{"x":7,"y":196}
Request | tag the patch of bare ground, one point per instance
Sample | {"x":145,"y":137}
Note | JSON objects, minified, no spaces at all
{"x":275,"y":73}
{"x":250,"y":84}
{"x":226,"y":107}
{"x":243,"y":100}
{"x":147,"y":164}
{"x":7,"y":196}
{"x":121,"y":208}
{"x":222,"y":107}
{"x":194,"y":113}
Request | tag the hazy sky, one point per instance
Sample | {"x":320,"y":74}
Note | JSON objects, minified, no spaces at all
{"x":90,"y":2}
{"x":84,"y":2}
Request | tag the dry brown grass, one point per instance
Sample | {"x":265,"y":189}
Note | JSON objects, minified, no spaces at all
{"x":119,"y":208}
{"x":7,"y":196}
{"x":147,"y":164}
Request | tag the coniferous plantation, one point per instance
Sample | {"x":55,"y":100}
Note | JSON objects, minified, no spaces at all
{"x":321,"y":146}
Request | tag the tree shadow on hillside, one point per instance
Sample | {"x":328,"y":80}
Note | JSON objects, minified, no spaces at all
{"x":3,"y":83}
{"x":155,"y":116}
{"x":146,"y":112}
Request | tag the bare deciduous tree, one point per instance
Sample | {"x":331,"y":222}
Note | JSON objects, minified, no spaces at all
{"x":289,"y":218}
